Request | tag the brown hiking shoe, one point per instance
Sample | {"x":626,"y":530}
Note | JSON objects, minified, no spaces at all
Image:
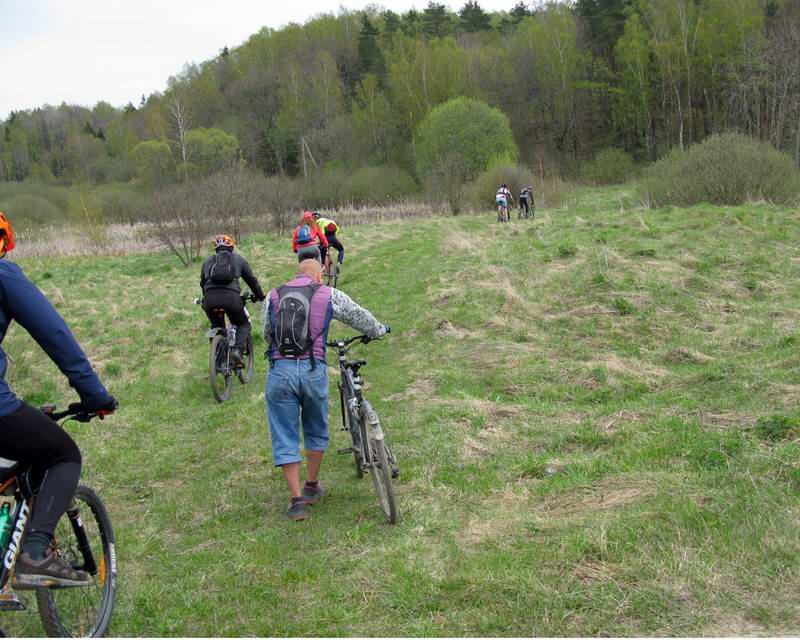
{"x":50,"y":572}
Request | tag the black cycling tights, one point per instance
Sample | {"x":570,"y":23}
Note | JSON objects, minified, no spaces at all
{"x":29,"y":436}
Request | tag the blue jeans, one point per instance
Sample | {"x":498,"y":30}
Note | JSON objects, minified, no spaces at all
{"x":295,"y":390}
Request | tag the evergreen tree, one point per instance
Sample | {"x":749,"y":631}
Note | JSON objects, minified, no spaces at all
{"x":520,"y":11}
{"x":391,"y":23}
{"x":606,"y":19}
{"x":410,"y":24}
{"x":474,"y":18}
{"x":370,"y":56}
{"x":435,"y":21}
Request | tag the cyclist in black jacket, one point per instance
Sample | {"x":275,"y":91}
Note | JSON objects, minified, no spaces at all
{"x":219,"y":280}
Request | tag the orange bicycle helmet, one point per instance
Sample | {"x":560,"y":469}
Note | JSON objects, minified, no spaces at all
{"x":224,"y":240}
{"x":6,"y":235}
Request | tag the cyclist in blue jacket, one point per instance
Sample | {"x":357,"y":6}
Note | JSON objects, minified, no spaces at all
{"x":27,"y":435}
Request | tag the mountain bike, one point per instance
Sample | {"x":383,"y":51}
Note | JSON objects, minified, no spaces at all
{"x":371,"y":450}
{"x":526,"y":209}
{"x":83,"y":539}
{"x":503,"y":214}
{"x":220,"y":367}
{"x":331,"y":271}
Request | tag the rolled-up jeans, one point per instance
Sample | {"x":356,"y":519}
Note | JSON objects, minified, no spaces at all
{"x":295,"y":391}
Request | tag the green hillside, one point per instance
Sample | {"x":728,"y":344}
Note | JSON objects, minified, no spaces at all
{"x":596,"y":417}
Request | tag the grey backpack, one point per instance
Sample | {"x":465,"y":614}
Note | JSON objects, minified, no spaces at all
{"x":291,"y":333}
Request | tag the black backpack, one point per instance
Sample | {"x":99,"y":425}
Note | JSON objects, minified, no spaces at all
{"x":223,"y":268}
{"x":291,"y":334}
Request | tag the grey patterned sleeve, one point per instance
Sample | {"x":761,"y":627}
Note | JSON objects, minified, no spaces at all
{"x":347,"y":311}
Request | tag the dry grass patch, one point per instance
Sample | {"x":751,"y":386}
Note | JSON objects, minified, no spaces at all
{"x":593,"y":570}
{"x":606,"y":494}
{"x":419,"y":389}
{"x":727,"y":420}
{"x":685,"y":355}
{"x":633,"y":368}
{"x":500,"y":517}
{"x":446,"y":329}
{"x":484,"y":444}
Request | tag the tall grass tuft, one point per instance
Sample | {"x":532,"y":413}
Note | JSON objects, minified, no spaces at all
{"x":728,"y":169}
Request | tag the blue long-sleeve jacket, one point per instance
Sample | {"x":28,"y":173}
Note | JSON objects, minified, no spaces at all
{"x":21,"y":301}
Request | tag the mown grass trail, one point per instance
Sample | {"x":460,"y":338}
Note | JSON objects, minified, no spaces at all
{"x":578,"y":405}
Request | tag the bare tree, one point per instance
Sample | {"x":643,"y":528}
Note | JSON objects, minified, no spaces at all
{"x":181,"y":125}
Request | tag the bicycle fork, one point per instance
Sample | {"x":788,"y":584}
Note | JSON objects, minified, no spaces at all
{"x":89,"y":563}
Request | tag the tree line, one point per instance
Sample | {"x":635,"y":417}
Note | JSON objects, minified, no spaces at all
{"x":347,"y":91}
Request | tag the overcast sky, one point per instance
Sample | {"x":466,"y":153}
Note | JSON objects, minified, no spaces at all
{"x":83,"y":51}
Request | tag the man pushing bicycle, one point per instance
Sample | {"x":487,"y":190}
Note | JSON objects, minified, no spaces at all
{"x":297,"y":320}
{"x":219,"y":280}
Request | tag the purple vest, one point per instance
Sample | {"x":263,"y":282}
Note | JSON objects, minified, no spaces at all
{"x":321,"y":315}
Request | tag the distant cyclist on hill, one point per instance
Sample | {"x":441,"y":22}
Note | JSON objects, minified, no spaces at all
{"x":308,"y":240}
{"x":503,"y":198}
{"x":29,"y":436}
{"x":219,"y":280}
{"x":329,"y":228}
{"x":525,"y":202}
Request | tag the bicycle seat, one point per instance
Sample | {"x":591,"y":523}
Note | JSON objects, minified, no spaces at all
{"x":219,"y":312}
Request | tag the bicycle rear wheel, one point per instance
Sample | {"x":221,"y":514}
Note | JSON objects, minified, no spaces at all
{"x":219,"y":368}
{"x":245,"y":374}
{"x":379,"y":467}
{"x":84,"y":540}
{"x":333,"y":274}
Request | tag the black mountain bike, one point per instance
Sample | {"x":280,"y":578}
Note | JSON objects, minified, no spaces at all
{"x":83,"y":539}
{"x":220,"y":367}
{"x":526,"y":210}
{"x":370,"y":449}
{"x":331,"y":273}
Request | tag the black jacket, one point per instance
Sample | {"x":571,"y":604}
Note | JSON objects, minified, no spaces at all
{"x":241,"y":270}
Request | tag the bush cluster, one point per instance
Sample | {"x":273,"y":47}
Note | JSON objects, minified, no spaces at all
{"x":609,"y":166}
{"x":725,"y":169}
{"x":367,"y":186}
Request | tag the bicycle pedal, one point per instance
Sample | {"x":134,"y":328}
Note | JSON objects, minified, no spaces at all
{"x":11,"y":602}
{"x":348,"y":450}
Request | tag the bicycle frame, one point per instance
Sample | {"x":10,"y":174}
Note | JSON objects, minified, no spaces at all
{"x":22,"y":510}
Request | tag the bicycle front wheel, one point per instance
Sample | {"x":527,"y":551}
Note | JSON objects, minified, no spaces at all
{"x":84,"y":540}
{"x":353,"y":430}
{"x":379,"y":467}
{"x":219,"y":368}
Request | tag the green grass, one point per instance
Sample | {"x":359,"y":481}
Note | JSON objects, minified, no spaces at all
{"x":595,"y":415}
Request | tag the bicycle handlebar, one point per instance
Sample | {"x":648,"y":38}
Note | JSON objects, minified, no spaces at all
{"x":246,"y":297}
{"x":363,"y":338}
{"x":75,"y":411}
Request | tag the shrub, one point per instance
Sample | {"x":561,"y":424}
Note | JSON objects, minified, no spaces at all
{"x":118,"y":203}
{"x":29,"y":210}
{"x":379,"y":185}
{"x":456,"y":142}
{"x":728,"y":168}
{"x":610,"y":166}
{"x":369,"y":185}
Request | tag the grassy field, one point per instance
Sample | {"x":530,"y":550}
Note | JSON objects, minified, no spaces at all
{"x":596,"y":416}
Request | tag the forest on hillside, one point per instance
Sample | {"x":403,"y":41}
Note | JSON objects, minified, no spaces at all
{"x":343,"y":94}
